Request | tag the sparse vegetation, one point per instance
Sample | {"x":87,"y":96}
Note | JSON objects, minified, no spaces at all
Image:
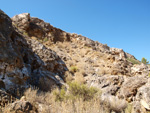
{"x":82,"y":91}
{"x":134,"y":61}
{"x":78,"y":99}
{"x":25,"y":33}
{"x":144,"y":61}
{"x":68,"y":77}
{"x":79,"y":78}
{"x":76,"y":91}
{"x":73,"y":69}
{"x":45,"y":39}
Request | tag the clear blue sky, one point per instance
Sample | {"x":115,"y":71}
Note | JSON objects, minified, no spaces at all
{"x":119,"y":23}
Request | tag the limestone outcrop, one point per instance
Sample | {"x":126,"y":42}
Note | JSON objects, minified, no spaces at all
{"x":24,"y":61}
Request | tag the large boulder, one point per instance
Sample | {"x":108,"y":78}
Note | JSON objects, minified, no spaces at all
{"x":109,"y":84}
{"x":141,"y":69}
{"x":130,"y":87}
{"x":118,"y":52}
{"x":22,"y":21}
{"x":143,"y":95}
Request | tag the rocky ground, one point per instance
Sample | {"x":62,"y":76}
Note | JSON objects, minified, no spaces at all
{"x":33,"y":53}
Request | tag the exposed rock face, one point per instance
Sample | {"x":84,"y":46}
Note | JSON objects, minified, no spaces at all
{"x":25,"y":61}
{"x":109,"y":84}
{"x":140,"y":70}
{"x":38,"y":28}
{"x":119,"y":52}
{"x":22,"y":21}
{"x":130,"y":87}
{"x":143,"y":95}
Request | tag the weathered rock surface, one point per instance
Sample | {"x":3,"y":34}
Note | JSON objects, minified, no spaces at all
{"x":38,"y":28}
{"x":25,"y":61}
{"x":140,"y":70}
{"x":20,"y":107}
{"x":109,"y":84}
{"x":22,"y":21}
{"x":130,"y":87}
{"x":5,"y":98}
{"x":143,"y":95}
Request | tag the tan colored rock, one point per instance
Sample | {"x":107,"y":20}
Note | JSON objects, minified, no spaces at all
{"x":130,"y":87}
{"x":5,"y":98}
{"x":118,"y":52}
{"x":109,"y":84}
{"x":22,"y":21}
{"x":140,"y":70}
{"x":20,"y":107}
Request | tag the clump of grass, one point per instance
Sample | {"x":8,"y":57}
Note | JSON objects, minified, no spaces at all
{"x":79,"y":78}
{"x":133,"y":61}
{"x":129,"y":108}
{"x":149,"y":74}
{"x":73,"y":69}
{"x":45,"y":39}
{"x":25,"y":33}
{"x":60,"y":95}
{"x":68,"y":77}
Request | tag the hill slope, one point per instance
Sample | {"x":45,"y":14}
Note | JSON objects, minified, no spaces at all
{"x":34,"y":53}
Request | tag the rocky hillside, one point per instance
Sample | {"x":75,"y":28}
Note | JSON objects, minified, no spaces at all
{"x":33,"y":53}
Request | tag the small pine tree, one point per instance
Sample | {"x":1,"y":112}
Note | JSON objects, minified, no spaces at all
{"x":144,"y":61}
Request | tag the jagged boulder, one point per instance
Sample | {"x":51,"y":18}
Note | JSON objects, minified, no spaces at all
{"x":22,"y":21}
{"x":109,"y":84}
{"x":20,"y":107}
{"x":140,"y":70}
{"x":130,"y":87}
{"x":143,"y":95}
{"x":118,"y":52}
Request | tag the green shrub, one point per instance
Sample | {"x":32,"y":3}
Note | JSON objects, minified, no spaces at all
{"x":76,"y":91}
{"x":73,"y":69}
{"x":133,"y":61}
{"x":82,"y":91}
{"x":45,"y":39}
{"x":144,"y":61}
{"x":25,"y":34}
{"x":60,"y":95}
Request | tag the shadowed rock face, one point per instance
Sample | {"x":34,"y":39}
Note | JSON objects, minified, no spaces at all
{"x":24,"y":61}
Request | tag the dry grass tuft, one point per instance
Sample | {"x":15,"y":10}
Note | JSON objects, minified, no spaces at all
{"x":73,"y":69}
{"x":79,"y":77}
{"x":79,"y":98}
